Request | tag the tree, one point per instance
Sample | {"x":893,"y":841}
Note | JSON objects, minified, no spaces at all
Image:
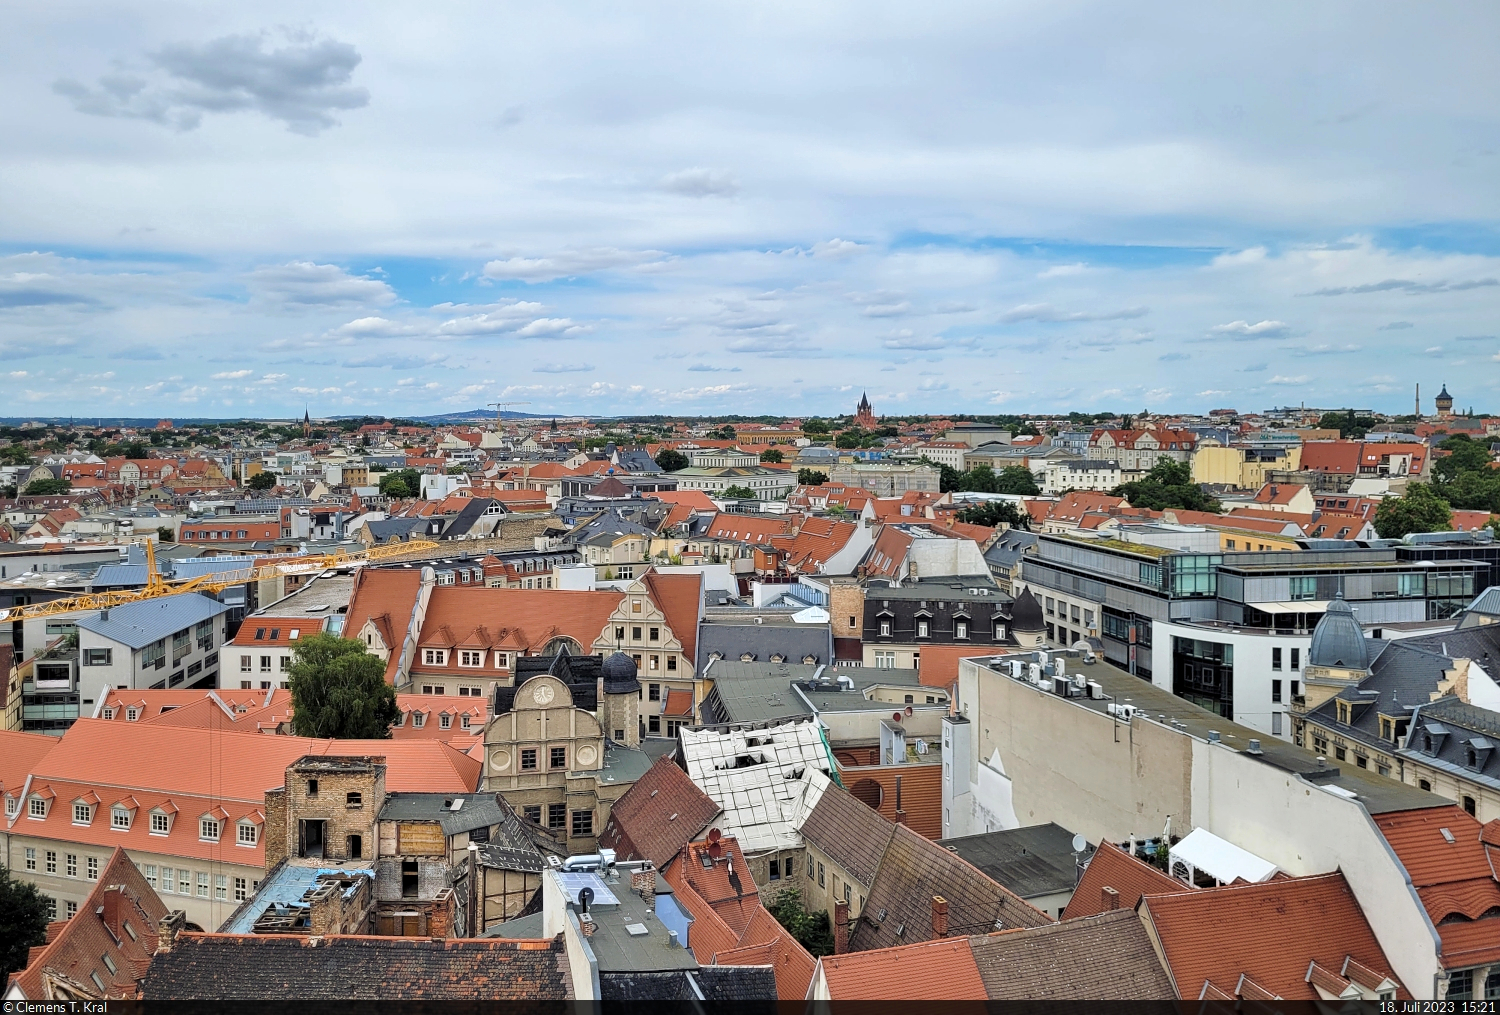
{"x":165,"y":534}
{"x":23,"y":922}
{"x":1421,"y":510}
{"x":771,"y":455}
{"x":14,"y":454}
{"x":815,"y":427}
{"x":1349,"y":426}
{"x":993,"y":513}
{"x":851,"y":438}
{"x":814,"y":931}
{"x":725,"y":433}
{"x":401,"y":483}
{"x":262,"y":481}
{"x":1017,"y":479}
{"x":811,"y":477}
{"x":1464,"y":455}
{"x":135,"y":449}
{"x":670,"y":460}
{"x":1168,"y":486}
{"x":339,"y":690}
{"x":738,"y":493}
{"x":47,"y":487}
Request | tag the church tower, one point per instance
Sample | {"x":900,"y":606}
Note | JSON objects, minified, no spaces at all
{"x":863,"y":415}
{"x":306,"y":424}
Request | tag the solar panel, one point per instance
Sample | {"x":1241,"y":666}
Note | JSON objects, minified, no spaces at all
{"x":573,"y":881}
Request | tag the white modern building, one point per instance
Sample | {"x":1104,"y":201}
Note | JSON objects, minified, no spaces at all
{"x":168,"y":642}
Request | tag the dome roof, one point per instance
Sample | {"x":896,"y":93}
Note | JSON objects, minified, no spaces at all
{"x":1338,"y":640}
{"x":1026,"y":613}
{"x":619,"y":674}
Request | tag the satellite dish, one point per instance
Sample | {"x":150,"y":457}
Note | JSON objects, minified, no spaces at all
{"x":585,"y":896}
{"x":908,"y":710}
{"x":714,"y":835}
{"x":895,"y":717}
{"x":1080,"y":844}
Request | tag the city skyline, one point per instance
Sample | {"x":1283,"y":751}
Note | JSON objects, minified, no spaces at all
{"x":210,"y":215}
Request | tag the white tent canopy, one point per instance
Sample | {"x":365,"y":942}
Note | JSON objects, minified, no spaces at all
{"x":1202,"y":850}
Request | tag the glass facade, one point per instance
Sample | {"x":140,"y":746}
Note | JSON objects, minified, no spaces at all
{"x":1203,"y":673}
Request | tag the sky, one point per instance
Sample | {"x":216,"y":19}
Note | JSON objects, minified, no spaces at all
{"x":248,"y":210}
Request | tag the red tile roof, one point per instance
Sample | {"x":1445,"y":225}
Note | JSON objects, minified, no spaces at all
{"x":662,"y":812}
{"x":1456,"y":881}
{"x":940,"y":970}
{"x":725,"y":884}
{"x":678,"y":703}
{"x":689,"y":498}
{"x":1073,"y":506}
{"x":20,"y":753}
{"x":387,"y":596}
{"x":195,"y":770}
{"x":1269,"y":933}
{"x":75,"y":953}
{"x":921,"y":793}
{"x":746,"y":528}
{"x":1113,"y":868}
{"x":680,"y":598}
{"x":282,"y":627}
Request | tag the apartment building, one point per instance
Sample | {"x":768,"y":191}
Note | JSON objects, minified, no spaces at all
{"x":169,"y":642}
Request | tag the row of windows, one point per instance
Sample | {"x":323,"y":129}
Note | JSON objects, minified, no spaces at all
{"x":265,"y":685}
{"x":69,"y":864}
{"x":181,"y":881}
{"x":122,"y":819}
{"x":924,"y":629}
{"x":240,"y":534}
{"x":557,"y":818}
{"x":246,"y":663}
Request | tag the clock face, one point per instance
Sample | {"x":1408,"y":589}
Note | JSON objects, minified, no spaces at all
{"x":543,"y":695}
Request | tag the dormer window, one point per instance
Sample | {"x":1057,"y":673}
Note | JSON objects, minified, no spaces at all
{"x":208,"y":829}
{"x":83,"y":814}
{"x":161,"y":822}
{"x":132,"y":714}
{"x":12,"y":806}
{"x":418,"y":720}
{"x":39,"y":807}
{"x":922,"y":628}
{"x":445,"y":721}
{"x":247,"y":833}
{"x":435,"y":657}
{"x":119,"y":818}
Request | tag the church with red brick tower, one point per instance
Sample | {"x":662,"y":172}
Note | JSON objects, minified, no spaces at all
{"x":863,"y":416}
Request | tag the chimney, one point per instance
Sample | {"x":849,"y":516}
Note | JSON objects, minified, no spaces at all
{"x":1109,"y":899}
{"x":167,"y":930}
{"x":112,"y":909}
{"x":644,"y":884}
{"x":840,"y":927}
{"x":440,"y":923}
{"x":939,"y":916}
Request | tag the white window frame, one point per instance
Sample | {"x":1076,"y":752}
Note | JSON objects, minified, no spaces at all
{"x":247,"y":664}
{"x":121,"y":818}
{"x":12,"y":806}
{"x":247,"y":833}
{"x":471,"y":659}
{"x":32,"y":808}
{"x":502,"y":660}
{"x":434,"y":657}
{"x":87,"y":810}
{"x":161,"y":818}
{"x":418,"y":720}
{"x":132,"y":714}
{"x":207,"y":834}
{"x":445,"y":721}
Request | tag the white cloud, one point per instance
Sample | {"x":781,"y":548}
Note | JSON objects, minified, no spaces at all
{"x":914,"y":342}
{"x":1283,"y":379}
{"x":232,"y":375}
{"x":837,"y":248}
{"x":1047,"y":312}
{"x":570,"y":263}
{"x":553,"y":327}
{"x":562,"y":368}
{"x":1244,"y":329}
{"x":306,"y":284}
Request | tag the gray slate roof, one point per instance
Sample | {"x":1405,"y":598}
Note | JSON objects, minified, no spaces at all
{"x":478,"y":810}
{"x":851,"y":833}
{"x":1444,"y":732}
{"x":1032,"y":861}
{"x":139,"y":624}
{"x":793,"y":641}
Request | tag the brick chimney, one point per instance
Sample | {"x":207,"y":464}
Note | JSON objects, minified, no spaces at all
{"x":643,"y":882}
{"x":900,"y":811}
{"x":840,"y":927}
{"x":440,"y":923}
{"x":939,"y":916}
{"x":1109,"y":898}
{"x":168,"y":929}
{"x":112,"y":909}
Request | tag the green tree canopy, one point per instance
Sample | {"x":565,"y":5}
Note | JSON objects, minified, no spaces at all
{"x":994,"y":513}
{"x":339,"y":690}
{"x":1017,"y":479}
{"x":1421,"y":510}
{"x":1167,"y":486}
{"x":739,"y":493}
{"x":47,"y":487}
{"x":772,"y":455}
{"x":670,"y":460}
{"x":811,"y":477}
{"x":23,"y":922}
{"x":851,"y":438}
{"x":813,"y":931}
{"x":262,"y":481}
{"x":401,"y":483}
{"x":815,"y":426}
{"x":1349,"y":425}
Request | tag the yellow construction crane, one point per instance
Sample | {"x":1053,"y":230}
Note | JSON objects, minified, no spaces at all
{"x":157,"y":586}
{"x":499,"y":408}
